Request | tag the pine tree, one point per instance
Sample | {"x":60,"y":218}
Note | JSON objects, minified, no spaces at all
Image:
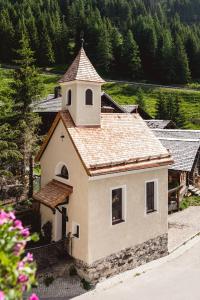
{"x":9,"y":152}
{"x":161,"y":108}
{"x":182,"y":71}
{"x":140,"y":99}
{"x":26,"y":88}
{"x":179,"y":119}
{"x":131,"y":57}
{"x":104,"y":50}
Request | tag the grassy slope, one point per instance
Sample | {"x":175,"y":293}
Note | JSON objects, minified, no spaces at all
{"x":125,"y":94}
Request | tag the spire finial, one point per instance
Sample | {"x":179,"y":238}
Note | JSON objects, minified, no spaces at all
{"x":82,"y":42}
{"x":82,"y":38}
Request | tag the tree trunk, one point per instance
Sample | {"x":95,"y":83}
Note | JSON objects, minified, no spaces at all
{"x":30,"y":188}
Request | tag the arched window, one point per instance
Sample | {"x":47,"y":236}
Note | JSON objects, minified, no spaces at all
{"x":63,"y":172}
{"x":89,"y":97}
{"x":69,"y":97}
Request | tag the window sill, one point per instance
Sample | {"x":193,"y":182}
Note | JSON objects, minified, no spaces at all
{"x":151,"y":212}
{"x":117,"y":222}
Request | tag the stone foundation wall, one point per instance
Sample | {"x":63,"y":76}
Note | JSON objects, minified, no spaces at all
{"x":124,"y":260}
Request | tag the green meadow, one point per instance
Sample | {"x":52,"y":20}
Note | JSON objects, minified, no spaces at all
{"x":125,"y":93}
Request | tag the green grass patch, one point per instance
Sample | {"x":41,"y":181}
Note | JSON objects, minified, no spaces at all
{"x":190,"y":201}
{"x":125,"y":93}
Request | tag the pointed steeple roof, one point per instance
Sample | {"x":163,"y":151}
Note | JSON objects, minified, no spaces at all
{"x":81,"y":69}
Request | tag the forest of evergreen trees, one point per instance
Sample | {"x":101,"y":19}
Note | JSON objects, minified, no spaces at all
{"x":155,"y":40}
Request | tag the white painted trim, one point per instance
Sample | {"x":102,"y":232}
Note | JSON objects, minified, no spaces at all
{"x":58,"y":169}
{"x":124,"y":204}
{"x":73,"y":227}
{"x":92,"y":178}
{"x":155,"y":180}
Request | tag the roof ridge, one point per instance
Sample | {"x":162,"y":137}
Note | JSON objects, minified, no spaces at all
{"x":178,"y":139}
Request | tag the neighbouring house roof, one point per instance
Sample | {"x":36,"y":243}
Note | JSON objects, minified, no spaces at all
{"x":52,"y":104}
{"x":135,"y":108}
{"x":81,"y":69}
{"x":183,"y":145}
{"x":122,"y":143}
{"x":53,"y":193}
{"x":160,"y":124}
{"x":178,"y":133}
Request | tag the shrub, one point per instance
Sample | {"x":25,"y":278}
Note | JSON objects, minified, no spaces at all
{"x":17,"y":270}
{"x":86,"y":285}
{"x":47,"y":231}
{"x":72,"y":271}
{"x":48,"y":280}
{"x":184,"y":204}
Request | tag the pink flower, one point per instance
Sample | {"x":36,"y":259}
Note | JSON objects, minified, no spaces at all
{"x":33,"y":297}
{"x":11,"y":215}
{"x":2,"y":296}
{"x":20,"y":265}
{"x":22,"y":278}
{"x":25,"y":232}
{"x":18,"y":225}
{"x":19,"y":247}
{"x":28,"y":257}
{"x":3,"y":217}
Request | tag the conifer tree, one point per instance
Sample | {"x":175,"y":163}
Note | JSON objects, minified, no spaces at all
{"x":140,"y":99}
{"x":181,"y":64}
{"x":104,"y":50}
{"x":26,"y":89}
{"x":131,"y":57}
{"x":161,"y":107}
{"x":9,"y":152}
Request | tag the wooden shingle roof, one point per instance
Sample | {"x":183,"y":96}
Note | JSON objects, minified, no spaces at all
{"x":122,"y":143}
{"x":53,"y":193}
{"x":81,"y":69}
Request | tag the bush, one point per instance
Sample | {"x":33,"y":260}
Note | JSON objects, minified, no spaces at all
{"x":72,"y":271}
{"x":86,"y":285}
{"x":48,"y":280}
{"x":47,"y":231}
{"x":17,"y":270}
{"x":184,"y":204}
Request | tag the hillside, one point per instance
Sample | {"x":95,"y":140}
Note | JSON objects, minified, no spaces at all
{"x":154,"y":40}
{"x":126,"y":94}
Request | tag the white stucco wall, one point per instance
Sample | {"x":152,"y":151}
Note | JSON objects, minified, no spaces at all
{"x":63,"y":150}
{"x":83,"y":115}
{"x":105,"y":238}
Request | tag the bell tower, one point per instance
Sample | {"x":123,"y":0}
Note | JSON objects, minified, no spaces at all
{"x":81,"y":91}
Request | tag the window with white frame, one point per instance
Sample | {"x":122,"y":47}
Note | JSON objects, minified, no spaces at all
{"x":151,"y":196}
{"x":118,"y":205}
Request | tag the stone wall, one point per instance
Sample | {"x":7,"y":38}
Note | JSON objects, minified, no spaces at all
{"x":124,"y":260}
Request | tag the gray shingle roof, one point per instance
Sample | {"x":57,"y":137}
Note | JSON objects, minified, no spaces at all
{"x":182,"y":144}
{"x":50,"y":104}
{"x":160,"y":124}
{"x":130,"y":107}
{"x":177,"y":133}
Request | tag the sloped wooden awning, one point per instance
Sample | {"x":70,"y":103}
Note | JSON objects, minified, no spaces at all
{"x":53,"y":194}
